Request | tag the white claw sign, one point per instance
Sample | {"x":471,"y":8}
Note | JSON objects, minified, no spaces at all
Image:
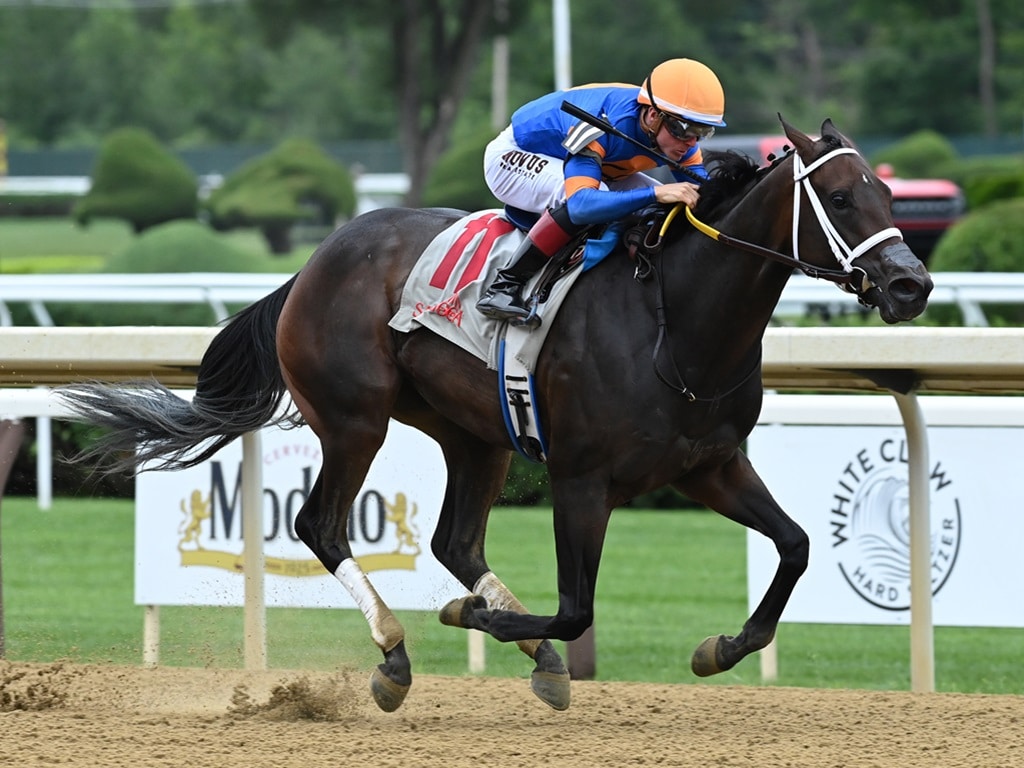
{"x":847,"y":487}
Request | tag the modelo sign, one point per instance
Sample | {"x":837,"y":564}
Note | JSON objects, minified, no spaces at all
{"x":188,"y":527}
{"x":848,"y":487}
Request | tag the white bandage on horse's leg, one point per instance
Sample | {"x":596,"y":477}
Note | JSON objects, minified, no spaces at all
{"x":384,"y":627}
{"x":497,"y":595}
{"x":500,"y":598}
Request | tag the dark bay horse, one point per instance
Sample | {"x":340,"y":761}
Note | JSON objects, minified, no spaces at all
{"x":618,"y":425}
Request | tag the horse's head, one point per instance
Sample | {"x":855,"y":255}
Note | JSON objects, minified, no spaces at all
{"x":843,"y":213}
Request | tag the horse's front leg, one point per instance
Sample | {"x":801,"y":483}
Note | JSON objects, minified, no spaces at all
{"x":736,"y":491}
{"x":475,"y":477}
{"x":581,"y":521}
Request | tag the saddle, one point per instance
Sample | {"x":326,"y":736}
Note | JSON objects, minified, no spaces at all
{"x":445,"y":284}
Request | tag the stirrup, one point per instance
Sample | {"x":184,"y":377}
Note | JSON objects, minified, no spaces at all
{"x":513,"y":314}
{"x":503,"y":313}
{"x":532,"y":321}
{"x":487,"y":304}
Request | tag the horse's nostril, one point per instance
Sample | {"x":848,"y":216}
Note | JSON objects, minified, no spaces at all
{"x":906,"y":289}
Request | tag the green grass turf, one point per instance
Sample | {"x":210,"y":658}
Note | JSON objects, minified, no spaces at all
{"x":668,"y":579}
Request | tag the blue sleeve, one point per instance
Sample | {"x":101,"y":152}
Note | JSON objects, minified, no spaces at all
{"x":594,"y":206}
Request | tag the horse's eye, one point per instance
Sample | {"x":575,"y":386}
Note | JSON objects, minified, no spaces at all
{"x":839,"y":200}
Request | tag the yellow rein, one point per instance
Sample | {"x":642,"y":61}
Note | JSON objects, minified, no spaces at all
{"x":707,"y":230}
{"x":842,"y":278}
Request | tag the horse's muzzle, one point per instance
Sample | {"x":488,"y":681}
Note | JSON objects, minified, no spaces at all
{"x":902,"y":284}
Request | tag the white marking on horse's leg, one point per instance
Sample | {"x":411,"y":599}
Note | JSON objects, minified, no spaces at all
{"x":384,"y":627}
{"x":500,"y":598}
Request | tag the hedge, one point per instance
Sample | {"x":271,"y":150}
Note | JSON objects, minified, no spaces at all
{"x":139,"y":181}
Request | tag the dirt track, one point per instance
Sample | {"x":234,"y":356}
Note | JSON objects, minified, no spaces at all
{"x":100,"y":716}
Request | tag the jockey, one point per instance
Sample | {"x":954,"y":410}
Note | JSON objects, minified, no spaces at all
{"x":573,"y":174}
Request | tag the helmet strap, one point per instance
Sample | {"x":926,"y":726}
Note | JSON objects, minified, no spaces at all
{"x":652,"y":124}
{"x":658,"y":118}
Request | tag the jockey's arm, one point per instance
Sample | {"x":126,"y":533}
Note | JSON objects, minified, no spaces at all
{"x":587,"y":203}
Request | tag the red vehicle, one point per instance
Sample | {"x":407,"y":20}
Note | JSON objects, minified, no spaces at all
{"x":923,"y":209}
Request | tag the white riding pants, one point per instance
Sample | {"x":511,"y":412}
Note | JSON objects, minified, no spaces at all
{"x":535,"y":182}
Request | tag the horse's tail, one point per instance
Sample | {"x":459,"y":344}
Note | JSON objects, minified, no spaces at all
{"x":239,"y":389}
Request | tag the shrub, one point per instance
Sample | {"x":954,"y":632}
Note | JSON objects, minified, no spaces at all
{"x":981,"y":190}
{"x":985,"y":178}
{"x":137,"y":180}
{"x":25,"y":206}
{"x":987,"y":240}
{"x":457,"y":180}
{"x":922,"y":155}
{"x":294,"y":182}
{"x":182,"y":246}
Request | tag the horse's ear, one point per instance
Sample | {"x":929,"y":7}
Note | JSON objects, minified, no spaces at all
{"x":827,"y":129}
{"x":800,"y":140}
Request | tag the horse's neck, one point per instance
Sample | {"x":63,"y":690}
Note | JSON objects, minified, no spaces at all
{"x":764,"y":217}
{"x":729,"y":294}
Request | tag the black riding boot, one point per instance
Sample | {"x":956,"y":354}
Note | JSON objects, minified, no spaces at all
{"x":502,"y":300}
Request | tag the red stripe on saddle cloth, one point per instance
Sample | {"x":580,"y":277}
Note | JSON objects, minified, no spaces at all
{"x":493,"y":227}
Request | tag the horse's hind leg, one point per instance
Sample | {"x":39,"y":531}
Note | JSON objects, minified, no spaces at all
{"x":476,"y":472}
{"x":735,"y":491}
{"x":322,"y":525}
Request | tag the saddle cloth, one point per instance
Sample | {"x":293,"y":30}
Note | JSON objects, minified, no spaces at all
{"x":441,"y":294}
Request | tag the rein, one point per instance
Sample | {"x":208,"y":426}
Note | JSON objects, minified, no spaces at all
{"x":850,"y":278}
{"x":837,"y":276}
{"x":842,"y":252}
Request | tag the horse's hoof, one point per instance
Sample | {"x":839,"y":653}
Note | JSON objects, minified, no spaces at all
{"x":705,"y":661}
{"x":552,"y":688}
{"x":388,"y":694}
{"x":459,"y":612}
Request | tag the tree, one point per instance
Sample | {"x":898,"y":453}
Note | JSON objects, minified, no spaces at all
{"x":986,"y":66}
{"x":314,"y":100}
{"x":211,"y":80}
{"x":926,"y":65}
{"x":420,"y":70}
{"x":435,"y":47}
{"x":35,"y":60}
{"x":112,"y":92}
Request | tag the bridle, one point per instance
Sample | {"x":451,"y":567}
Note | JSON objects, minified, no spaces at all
{"x":851,"y":278}
{"x":843,"y":253}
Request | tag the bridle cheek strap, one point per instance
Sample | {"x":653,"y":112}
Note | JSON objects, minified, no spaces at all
{"x":843,"y":253}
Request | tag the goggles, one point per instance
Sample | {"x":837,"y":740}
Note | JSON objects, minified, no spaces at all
{"x":685,"y":130}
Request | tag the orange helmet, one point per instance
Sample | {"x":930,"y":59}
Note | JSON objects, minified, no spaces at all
{"x":685,"y":88}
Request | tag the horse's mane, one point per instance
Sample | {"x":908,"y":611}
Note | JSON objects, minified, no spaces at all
{"x":731,"y":174}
